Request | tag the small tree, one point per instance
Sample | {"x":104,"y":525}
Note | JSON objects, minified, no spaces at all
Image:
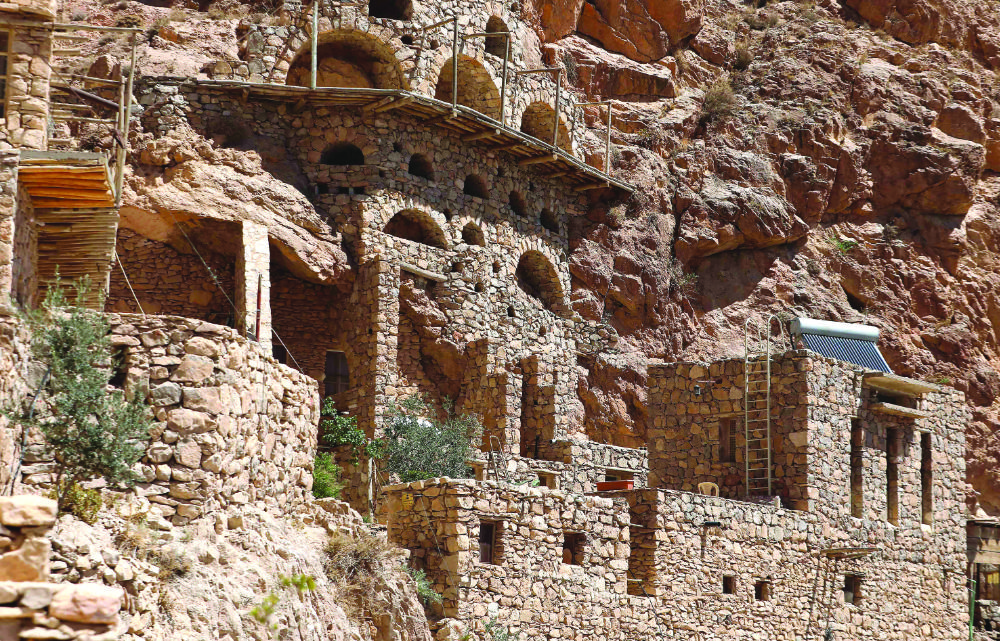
{"x":93,"y":431}
{"x":419,"y":446}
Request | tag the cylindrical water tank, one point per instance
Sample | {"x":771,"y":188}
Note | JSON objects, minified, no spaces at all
{"x":830,"y":328}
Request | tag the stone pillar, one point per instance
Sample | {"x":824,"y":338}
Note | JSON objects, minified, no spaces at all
{"x":253,"y":270}
{"x":8,"y":210}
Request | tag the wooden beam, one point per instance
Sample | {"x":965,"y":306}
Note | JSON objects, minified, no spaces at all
{"x":395,"y":104}
{"x":508,"y":146}
{"x":590,"y":186}
{"x":451,"y":115}
{"x":537,"y":160}
{"x":489,"y":133}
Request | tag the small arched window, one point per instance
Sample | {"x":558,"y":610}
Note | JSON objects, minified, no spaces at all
{"x":496,"y":45}
{"x":517,"y":204}
{"x":391,"y":9}
{"x":342,"y":153}
{"x":473,"y":235}
{"x":549,"y":220}
{"x":420,"y":165}
{"x":476,"y":186}
{"x":418,"y":227}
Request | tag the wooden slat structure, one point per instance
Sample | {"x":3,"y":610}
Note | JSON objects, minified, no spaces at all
{"x":76,"y":215}
{"x":899,"y":410}
{"x":468,"y":123}
{"x":894,"y":384}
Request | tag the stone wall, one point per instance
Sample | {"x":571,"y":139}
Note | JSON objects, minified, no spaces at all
{"x":232,"y":425}
{"x":14,"y":361}
{"x":9,"y":195}
{"x":169,"y":282}
{"x":653,"y":564}
{"x":24,"y":288}
{"x":32,"y":607}
{"x":27,"y":97}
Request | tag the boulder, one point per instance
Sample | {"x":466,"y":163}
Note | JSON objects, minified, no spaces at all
{"x":87,"y":603}
{"x":27,"y":511}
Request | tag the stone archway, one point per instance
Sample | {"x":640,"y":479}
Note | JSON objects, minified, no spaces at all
{"x":537,"y":277}
{"x":476,"y":88}
{"x":349,"y":58}
{"x":538,"y":119}
{"x":417,"y":226}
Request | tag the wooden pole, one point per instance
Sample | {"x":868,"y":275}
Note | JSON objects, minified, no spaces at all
{"x":503,"y":83}
{"x":315,"y":44}
{"x":454,"y":66}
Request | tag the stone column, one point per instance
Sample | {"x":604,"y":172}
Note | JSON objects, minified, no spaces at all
{"x":253,"y":271}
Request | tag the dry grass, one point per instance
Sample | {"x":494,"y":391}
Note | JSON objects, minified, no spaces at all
{"x":720,"y":101}
{"x":358,"y":567}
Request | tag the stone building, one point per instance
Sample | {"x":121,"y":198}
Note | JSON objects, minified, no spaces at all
{"x":862,"y":539}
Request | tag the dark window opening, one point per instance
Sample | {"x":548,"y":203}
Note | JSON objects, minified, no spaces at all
{"x":618,"y":475}
{"x":892,"y":476}
{"x":496,"y":267}
{"x":456,"y":268}
{"x":727,"y":440}
{"x":322,"y":188}
{"x":517,"y":205}
{"x":391,"y":9}
{"x":476,"y":186}
{"x":488,"y":552}
{"x":418,"y":227}
{"x":342,"y":153}
{"x":337,"y":378}
{"x":729,"y":584}
{"x":762,"y":590}
{"x":343,"y":190}
{"x":420,"y":165}
{"x":549,"y":480}
{"x":473,"y":235}
{"x":496,"y":45}
{"x":480,"y":288}
{"x":857,"y":469}
{"x":407,"y":40}
{"x":852,"y":589}
{"x":510,"y":311}
{"x":926,"y":480}
{"x":573,"y":546}
{"x":549,"y":220}
{"x":279,"y":353}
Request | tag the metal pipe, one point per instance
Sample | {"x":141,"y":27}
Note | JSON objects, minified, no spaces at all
{"x":503,"y":83}
{"x":314,"y":57}
{"x":972,"y":608}
{"x":260,"y":288}
{"x":607,"y":140}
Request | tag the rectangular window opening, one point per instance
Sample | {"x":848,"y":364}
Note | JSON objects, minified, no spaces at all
{"x":573,"y":545}
{"x":618,"y":475}
{"x":762,"y":590}
{"x":549,"y":480}
{"x":280,"y":353}
{"x":852,"y":589}
{"x":727,"y":439}
{"x":729,"y":584}
{"x":857,"y":469}
{"x":488,"y":552}
{"x":337,"y":379}
{"x":892,"y":476}
{"x":926,"y":480}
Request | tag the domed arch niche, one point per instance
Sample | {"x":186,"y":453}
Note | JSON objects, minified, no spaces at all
{"x":473,"y":235}
{"x":476,"y":88}
{"x":417,"y":226}
{"x":537,"y":277}
{"x":391,"y":9}
{"x":349,"y":58}
{"x":538,"y":119}
{"x":496,"y":45}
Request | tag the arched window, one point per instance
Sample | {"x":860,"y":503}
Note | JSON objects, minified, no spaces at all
{"x":342,"y":153}
{"x":517,"y":204}
{"x":538,"y":278}
{"x":420,"y":165}
{"x":476,"y":186}
{"x":538,"y":120}
{"x":391,"y":9}
{"x":549,"y":220}
{"x":417,"y":226}
{"x":496,"y":45}
{"x":476,"y":88}
{"x":473,"y":235}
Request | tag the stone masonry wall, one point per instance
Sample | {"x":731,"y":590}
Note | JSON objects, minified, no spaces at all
{"x":28,"y":74}
{"x":30,"y":606}
{"x":24,"y":288}
{"x":232,"y":425}
{"x":14,"y":360}
{"x":8,"y":210}
{"x":651,"y":564}
{"x":169,"y":282}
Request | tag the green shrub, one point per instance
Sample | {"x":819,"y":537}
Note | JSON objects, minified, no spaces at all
{"x":91,"y":432}
{"x":326,"y":477}
{"x":339,"y":429}
{"x":82,"y":503}
{"x":425,"y":591}
{"x":419,"y":446}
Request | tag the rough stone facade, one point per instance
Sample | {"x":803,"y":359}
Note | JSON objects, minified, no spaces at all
{"x":27,"y":99}
{"x":31,"y":606}
{"x":665,"y":561}
{"x":232,"y":425}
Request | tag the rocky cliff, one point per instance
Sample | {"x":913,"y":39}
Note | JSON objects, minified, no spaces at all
{"x":830,"y":159}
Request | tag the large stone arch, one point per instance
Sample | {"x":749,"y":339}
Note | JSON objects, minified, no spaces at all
{"x":349,"y":58}
{"x":538,"y":119}
{"x":476,"y":87}
{"x":537,"y":277}
{"x":417,"y":226}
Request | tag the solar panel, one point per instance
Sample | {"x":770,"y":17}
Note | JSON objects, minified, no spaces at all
{"x":851,"y":350}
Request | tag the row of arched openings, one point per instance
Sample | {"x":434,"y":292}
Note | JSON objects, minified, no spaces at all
{"x":548,"y":218}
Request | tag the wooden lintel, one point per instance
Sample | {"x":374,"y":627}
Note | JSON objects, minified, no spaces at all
{"x":536,"y":160}
{"x":590,"y":186}
{"x":489,"y":133}
{"x":373,"y":106}
{"x":558,"y":174}
{"x":395,"y":104}
{"x":451,"y":115}
{"x":508,"y":146}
